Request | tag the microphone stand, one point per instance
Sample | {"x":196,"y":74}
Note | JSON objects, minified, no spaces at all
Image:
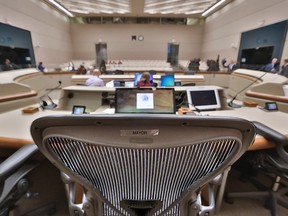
{"x":52,"y":105}
{"x":198,"y":110}
{"x":233,"y":105}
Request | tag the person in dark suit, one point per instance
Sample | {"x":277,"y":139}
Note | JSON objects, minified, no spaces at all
{"x":273,"y":66}
{"x":40,"y":67}
{"x":81,"y":70}
{"x":8,"y":65}
{"x":102,"y":67}
{"x":284,"y":68}
{"x":231,"y":66}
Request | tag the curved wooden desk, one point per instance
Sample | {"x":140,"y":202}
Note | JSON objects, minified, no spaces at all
{"x":14,"y":120}
{"x":269,"y":97}
{"x":15,"y":127}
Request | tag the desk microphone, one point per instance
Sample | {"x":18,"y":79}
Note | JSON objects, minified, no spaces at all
{"x":44,"y":105}
{"x":197,"y":109}
{"x":233,"y":105}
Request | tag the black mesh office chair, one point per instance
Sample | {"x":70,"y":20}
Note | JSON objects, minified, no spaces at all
{"x":141,"y":164}
{"x":119,"y":72}
{"x":13,"y":181}
{"x":272,"y":162}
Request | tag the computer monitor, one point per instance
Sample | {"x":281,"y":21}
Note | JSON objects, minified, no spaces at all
{"x":129,"y":84}
{"x":203,"y":98}
{"x":167,"y":80}
{"x":145,"y":100}
{"x":118,"y":83}
{"x":137,"y":77}
{"x":78,"y":109}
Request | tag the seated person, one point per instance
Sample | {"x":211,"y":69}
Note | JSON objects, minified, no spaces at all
{"x":231,"y":66}
{"x":284,"y":68}
{"x":144,"y":80}
{"x":8,"y":65}
{"x":81,"y":70}
{"x":102,"y":67}
{"x":273,"y":66}
{"x":40,"y":67}
{"x":95,"y":80}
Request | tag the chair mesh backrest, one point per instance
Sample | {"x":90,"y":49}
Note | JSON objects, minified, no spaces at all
{"x":150,"y":168}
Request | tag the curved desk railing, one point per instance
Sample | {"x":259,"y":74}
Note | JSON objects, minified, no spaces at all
{"x":274,"y":136}
{"x":268,"y":92}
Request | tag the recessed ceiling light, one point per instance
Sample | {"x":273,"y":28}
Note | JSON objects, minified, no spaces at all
{"x":213,"y":7}
{"x":60,"y":7}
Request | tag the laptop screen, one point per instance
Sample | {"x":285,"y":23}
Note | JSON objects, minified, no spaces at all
{"x":167,"y":80}
{"x":145,"y":100}
{"x":138,"y":76}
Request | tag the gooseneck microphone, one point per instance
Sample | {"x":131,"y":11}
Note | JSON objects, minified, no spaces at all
{"x":233,"y":105}
{"x":44,"y":105}
{"x":186,"y":103}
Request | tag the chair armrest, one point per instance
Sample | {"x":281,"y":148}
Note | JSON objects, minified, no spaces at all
{"x":279,"y":139}
{"x":14,"y":161}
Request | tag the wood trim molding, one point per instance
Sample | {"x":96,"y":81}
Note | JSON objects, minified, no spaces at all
{"x":14,"y":143}
{"x":26,"y":76}
{"x":17,"y":96}
{"x":251,"y":78}
{"x":270,"y":97}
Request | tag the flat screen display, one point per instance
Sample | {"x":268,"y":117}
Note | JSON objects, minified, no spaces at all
{"x":167,"y":80}
{"x":137,"y":77}
{"x":78,"y":109}
{"x":257,"y":56}
{"x":148,"y":100}
{"x":203,"y":98}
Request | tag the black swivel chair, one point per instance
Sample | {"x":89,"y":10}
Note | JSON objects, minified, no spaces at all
{"x":190,"y":72}
{"x":189,"y":84}
{"x":169,"y":73}
{"x":273,"y":162}
{"x":119,"y":72}
{"x":13,"y":181}
{"x":146,"y":164}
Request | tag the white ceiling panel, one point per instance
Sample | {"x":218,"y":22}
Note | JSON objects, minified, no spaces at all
{"x":139,"y":8}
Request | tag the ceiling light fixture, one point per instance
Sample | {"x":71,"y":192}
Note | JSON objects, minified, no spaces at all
{"x":60,"y":7}
{"x":213,"y":7}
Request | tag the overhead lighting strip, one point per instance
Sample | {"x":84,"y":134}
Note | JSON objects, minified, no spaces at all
{"x":60,"y":7}
{"x":213,"y":7}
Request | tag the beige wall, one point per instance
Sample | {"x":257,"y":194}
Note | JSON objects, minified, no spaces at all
{"x":56,"y":41}
{"x":223,"y":29}
{"x":120,"y":45}
{"x":49,"y":29}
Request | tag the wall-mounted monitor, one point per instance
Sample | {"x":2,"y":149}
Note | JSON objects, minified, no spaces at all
{"x":257,"y":56}
{"x":145,"y":100}
{"x":16,"y":45}
{"x":203,"y":98}
{"x":167,"y":80}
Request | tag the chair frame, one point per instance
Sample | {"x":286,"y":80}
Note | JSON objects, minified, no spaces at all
{"x":148,"y":133}
{"x":278,"y":167}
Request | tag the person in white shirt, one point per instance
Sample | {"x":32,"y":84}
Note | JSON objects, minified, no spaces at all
{"x":95,"y":80}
